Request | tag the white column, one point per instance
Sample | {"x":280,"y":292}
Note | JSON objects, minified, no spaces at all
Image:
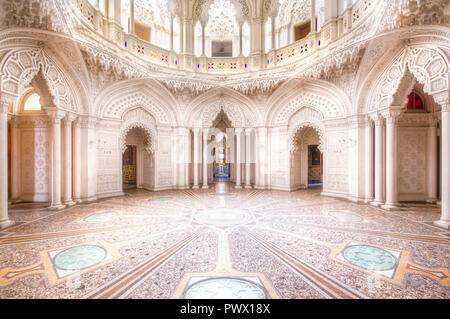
{"x":56,"y":117}
{"x":391,"y":160}
{"x":196,"y":157}
{"x":261,"y":151}
{"x":188,"y":156}
{"x":131,"y":27}
{"x":432,"y":162}
{"x":4,"y":220}
{"x":67,"y":197}
{"x":369,"y":161}
{"x":15,"y":160}
{"x":203,"y":39}
{"x":290,"y":33}
{"x":77,"y":161}
{"x":248,"y":153}
{"x":313,"y":16}
{"x":171,"y":33}
{"x":378,"y":160}
{"x":445,"y":167}
{"x":273,"y":32}
{"x":304,"y":166}
{"x":240,"y":40}
{"x":238,"y":132}
{"x":205,"y":158}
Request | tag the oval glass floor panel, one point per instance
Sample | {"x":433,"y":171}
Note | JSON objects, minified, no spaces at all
{"x":225,"y":288}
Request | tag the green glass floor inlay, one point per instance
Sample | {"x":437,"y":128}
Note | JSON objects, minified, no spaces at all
{"x":101,"y":217}
{"x":345,"y":216}
{"x":369,"y":257}
{"x":81,"y":257}
{"x":224,"y":288}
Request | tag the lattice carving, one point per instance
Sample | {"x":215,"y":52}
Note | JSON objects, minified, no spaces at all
{"x":22,"y":66}
{"x":327,"y":107}
{"x":139,"y":118}
{"x":428,"y":67}
{"x":306,"y":117}
{"x":138,"y":99}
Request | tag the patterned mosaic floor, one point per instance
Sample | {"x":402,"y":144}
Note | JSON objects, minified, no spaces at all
{"x":224,"y":243}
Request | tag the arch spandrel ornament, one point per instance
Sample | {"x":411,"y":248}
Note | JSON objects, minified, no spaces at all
{"x":137,"y":99}
{"x":138,"y":118}
{"x":234,"y":113}
{"x":327,"y":107}
{"x":426,"y":65}
{"x":22,"y":66}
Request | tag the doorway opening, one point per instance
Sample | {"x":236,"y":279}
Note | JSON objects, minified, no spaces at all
{"x":129,"y":167}
{"x":306,"y":160}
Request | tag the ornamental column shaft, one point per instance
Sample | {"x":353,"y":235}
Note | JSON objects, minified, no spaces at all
{"x":171,"y":33}
{"x":76,"y":161}
{"x":196,"y":157}
{"x":432,"y":162}
{"x":56,"y":159}
{"x":445,"y":167}
{"x":273,"y":32}
{"x":313,"y":16}
{"x":132,"y":27}
{"x":238,"y":132}
{"x":15,"y":160}
{"x":369,"y":161}
{"x":203,"y":39}
{"x":67,"y":197}
{"x":391,"y":161}
{"x":4,"y":220}
{"x":248,"y":150}
{"x":205,"y":159}
{"x":378,"y":160}
{"x":240,"y":40}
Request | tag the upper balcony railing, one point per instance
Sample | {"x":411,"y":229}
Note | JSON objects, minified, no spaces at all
{"x":288,"y":54}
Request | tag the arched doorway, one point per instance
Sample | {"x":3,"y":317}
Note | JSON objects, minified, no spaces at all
{"x":306,"y":160}
{"x":138,"y":169}
{"x":222,"y":150}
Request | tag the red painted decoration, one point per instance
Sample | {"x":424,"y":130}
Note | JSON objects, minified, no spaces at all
{"x":414,"y":102}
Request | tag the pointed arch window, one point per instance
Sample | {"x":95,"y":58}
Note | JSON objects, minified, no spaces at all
{"x":32,"y":103}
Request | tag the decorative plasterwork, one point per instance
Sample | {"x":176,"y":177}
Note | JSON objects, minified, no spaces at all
{"x":312,"y":123}
{"x":401,"y":13}
{"x":328,"y":107}
{"x":20,"y":68}
{"x":428,"y":66}
{"x":222,"y":24}
{"x":35,"y":14}
{"x":135,"y":99}
{"x":154,"y":13}
{"x":294,"y":11}
{"x":233,"y":112}
{"x":138,"y":117}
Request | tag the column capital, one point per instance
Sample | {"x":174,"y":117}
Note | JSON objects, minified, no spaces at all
{"x":4,"y":106}
{"x":70,"y":117}
{"x":391,"y":115}
{"x":55,"y":115}
{"x":238,"y":130}
{"x":369,"y":121}
{"x":376,"y":118}
{"x":249,"y":130}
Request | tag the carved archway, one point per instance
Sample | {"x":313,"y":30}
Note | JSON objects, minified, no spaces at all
{"x":138,"y":118}
{"x":21,"y":67}
{"x":427,"y":66}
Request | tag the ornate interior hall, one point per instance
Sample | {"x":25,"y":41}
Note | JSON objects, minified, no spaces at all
{"x":202,"y":149}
